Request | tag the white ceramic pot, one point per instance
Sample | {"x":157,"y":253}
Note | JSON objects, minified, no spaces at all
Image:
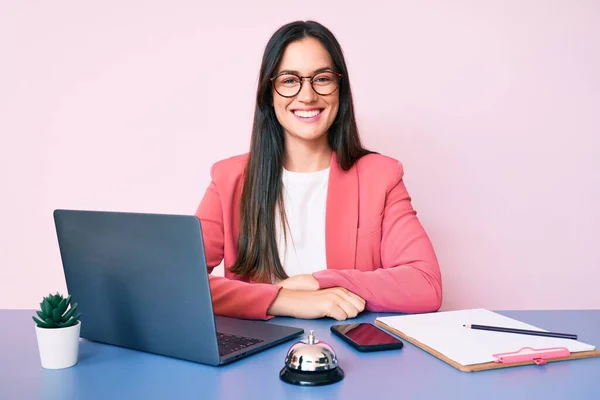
{"x":58,"y":347}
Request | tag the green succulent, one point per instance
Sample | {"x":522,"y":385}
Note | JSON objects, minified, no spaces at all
{"x":53,"y":312}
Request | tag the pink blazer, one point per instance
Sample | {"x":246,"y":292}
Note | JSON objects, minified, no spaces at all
{"x":375,"y":245}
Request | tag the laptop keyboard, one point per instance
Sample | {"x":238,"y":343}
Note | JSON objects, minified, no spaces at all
{"x":232,"y":343}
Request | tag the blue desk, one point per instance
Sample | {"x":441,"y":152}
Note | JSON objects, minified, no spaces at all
{"x":108,"y":372}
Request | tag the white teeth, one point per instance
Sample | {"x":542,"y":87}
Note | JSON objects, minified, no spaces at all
{"x":307,"y":114}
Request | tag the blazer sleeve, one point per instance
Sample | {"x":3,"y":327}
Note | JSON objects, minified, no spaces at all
{"x":231,"y":298}
{"x":409,"y":279}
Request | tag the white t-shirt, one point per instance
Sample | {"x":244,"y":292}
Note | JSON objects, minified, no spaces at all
{"x":305,"y":200}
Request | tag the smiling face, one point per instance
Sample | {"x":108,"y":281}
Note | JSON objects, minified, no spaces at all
{"x":308,"y":115}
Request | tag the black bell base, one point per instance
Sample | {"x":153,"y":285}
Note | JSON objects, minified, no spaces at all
{"x":312,"y":378}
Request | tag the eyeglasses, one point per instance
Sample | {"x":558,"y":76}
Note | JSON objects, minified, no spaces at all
{"x":288,"y":84}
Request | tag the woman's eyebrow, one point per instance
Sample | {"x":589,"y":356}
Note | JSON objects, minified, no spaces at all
{"x":290,"y":71}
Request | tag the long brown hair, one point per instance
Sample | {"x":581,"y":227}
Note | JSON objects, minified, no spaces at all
{"x":257,"y":254}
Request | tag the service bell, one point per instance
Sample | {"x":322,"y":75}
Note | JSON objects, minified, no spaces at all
{"x":311,"y":362}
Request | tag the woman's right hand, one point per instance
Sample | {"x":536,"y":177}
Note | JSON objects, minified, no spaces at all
{"x":337,"y":303}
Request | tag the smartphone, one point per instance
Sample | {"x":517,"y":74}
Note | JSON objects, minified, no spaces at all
{"x":366,"y":337}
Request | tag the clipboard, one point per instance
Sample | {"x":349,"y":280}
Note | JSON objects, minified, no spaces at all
{"x":519,"y":355}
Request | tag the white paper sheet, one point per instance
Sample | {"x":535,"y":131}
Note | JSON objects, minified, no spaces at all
{"x":445,"y":333}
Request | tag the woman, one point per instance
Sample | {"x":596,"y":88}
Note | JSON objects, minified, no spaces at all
{"x":309,"y":223}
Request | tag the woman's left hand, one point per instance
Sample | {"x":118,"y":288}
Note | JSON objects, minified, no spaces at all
{"x":300,"y":282}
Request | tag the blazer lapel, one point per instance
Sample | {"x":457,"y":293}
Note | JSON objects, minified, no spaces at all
{"x":341,"y":220}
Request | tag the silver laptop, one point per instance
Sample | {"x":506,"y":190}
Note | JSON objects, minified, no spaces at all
{"x":141,"y":282}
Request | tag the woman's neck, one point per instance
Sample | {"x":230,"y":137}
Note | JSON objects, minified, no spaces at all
{"x":307,"y":156}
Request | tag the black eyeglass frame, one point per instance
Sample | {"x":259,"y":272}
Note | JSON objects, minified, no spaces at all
{"x":302,"y":78}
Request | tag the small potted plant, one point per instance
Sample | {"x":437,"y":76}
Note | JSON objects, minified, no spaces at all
{"x":57,"y":332}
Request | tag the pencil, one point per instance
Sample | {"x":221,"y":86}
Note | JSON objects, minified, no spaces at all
{"x":522,"y":331}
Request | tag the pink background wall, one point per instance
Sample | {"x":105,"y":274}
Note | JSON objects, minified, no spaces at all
{"x":493,"y":107}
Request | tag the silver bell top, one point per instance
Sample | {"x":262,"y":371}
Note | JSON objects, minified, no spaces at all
{"x":311,"y":355}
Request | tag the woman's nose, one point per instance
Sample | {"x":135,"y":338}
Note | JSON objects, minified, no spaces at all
{"x":307,"y":93}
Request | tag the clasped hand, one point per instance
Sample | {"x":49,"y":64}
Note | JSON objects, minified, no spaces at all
{"x":300,"y":297}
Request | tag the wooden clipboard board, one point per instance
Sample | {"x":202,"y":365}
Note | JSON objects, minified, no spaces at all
{"x":488,"y":365}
